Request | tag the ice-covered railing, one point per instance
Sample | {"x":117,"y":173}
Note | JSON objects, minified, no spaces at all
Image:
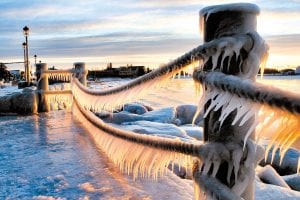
{"x":136,"y":153}
{"x":59,"y":75}
{"x":113,"y":98}
{"x":253,"y":91}
{"x":276,"y":112}
{"x":237,"y":111}
{"x":58,"y":99}
{"x":147,"y":155}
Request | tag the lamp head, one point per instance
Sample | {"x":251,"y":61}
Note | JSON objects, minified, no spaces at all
{"x":26,"y":31}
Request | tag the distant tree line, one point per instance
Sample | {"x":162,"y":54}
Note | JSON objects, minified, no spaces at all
{"x":276,"y":71}
{"x":4,"y":73}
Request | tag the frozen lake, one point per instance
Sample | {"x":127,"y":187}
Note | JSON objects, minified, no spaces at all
{"x":50,"y":155}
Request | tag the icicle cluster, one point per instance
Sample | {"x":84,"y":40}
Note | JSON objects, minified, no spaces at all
{"x":132,"y":158}
{"x":59,"y":101}
{"x":230,"y":48}
{"x":57,"y":75}
{"x":275,"y":112}
{"x":281,"y":127}
{"x":65,"y":77}
{"x":112,"y":99}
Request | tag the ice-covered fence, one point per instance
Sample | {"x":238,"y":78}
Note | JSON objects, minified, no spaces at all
{"x":271,"y":107}
{"x":253,"y":91}
{"x":236,"y":110}
{"x":113,"y":98}
{"x":61,"y":98}
{"x":229,"y":153}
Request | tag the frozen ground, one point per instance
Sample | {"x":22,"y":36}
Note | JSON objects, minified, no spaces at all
{"x":50,"y":155}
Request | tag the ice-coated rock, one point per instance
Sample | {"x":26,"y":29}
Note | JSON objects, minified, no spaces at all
{"x":164,"y":115}
{"x":5,"y":104}
{"x":180,"y":115}
{"x":186,"y":113}
{"x":23,"y":103}
{"x":121,"y":117}
{"x":103,"y":114}
{"x":289,"y":163}
{"x":293,"y":181}
{"x":135,"y":108}
{"x":268,"y":175}
{"x":155,"y":128}
{"x":272,"y":192}
{"x":193,"y":131}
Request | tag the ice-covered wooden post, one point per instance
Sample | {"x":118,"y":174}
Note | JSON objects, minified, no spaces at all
{"x":42,"y":86}
{"x":217,"y":22}
{"x":80,"y":72}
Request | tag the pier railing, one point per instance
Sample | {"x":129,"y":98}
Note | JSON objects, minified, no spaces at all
{"x":44,"y":75}
{"x":238,"y":111}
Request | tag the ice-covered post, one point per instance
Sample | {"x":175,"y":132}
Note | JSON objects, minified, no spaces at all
{"x":217,"y":22}
{"x":42,"y":86}
{"x":80,"y":72}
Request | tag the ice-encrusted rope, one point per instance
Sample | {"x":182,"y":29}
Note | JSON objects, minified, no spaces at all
{"x":167,"y":145}
{"x":250,"y":90}
{"x":151,"y":141}
{"x":202,"y":52}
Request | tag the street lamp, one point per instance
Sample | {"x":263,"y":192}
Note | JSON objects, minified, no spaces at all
{"x":26,"y":33}
{"x":24,"y":50}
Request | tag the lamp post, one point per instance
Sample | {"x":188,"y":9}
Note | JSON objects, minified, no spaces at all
{"x":24,"y":50}
{"x":27,"y":74}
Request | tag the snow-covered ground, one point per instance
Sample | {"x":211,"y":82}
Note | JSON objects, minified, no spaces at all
{"x":8,"y":89}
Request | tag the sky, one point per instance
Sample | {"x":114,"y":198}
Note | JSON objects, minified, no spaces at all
{"x":139,"y":32}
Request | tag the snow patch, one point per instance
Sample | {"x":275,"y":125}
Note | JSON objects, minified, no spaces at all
{"x":89,"y":187}
{"x":41,"y":197}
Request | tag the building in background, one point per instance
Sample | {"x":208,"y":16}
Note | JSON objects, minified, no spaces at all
{"x":128,"y":71}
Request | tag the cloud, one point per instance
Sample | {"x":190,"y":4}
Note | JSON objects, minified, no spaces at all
{"x":136,"y":29}
{"x":284,"y":50}
{"x":126,"y":43}
{"x":284,"y":44}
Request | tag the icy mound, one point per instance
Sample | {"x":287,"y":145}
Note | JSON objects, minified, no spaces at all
{"x":289,"y":162}
{"x":272,"y":192}
{"x":155,"y":128}
{"x":171,"y":122}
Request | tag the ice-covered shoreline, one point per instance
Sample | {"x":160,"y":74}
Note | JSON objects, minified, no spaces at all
{"x":164,"y":110}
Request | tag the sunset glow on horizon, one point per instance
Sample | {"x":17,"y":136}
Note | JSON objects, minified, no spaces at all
{"x":146,"y":33}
